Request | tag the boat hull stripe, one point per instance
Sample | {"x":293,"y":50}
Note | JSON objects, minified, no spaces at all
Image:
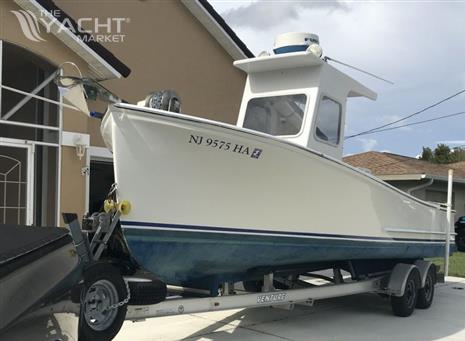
{"x":214,"y":229}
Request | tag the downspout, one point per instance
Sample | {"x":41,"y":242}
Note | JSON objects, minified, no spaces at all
{"x":427,"y":184}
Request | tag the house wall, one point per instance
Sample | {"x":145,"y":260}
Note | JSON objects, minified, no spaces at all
{"x":458,"y":190}
{"x":73,"y":194}
{"x":166,"y":48}
{"x":406,"y":185}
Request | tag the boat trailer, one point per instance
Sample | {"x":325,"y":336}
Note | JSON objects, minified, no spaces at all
{"x":106,"y":297}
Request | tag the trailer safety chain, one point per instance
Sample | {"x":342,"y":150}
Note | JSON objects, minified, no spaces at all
{"x":123,"y":302}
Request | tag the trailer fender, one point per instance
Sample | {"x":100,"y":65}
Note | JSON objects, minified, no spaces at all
{"x":424,"y":266}
{"x":398,"y":278}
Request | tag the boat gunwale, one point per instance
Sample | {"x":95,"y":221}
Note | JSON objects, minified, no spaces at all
{"x":199,"y":120}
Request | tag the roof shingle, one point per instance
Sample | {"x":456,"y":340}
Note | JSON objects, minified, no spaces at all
{"x":393,"y":164}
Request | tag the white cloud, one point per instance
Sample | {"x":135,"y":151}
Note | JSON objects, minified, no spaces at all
{"x":368,"y":144}
{"x":262,"y":14}
{"x":461,"y":142}
{"x":394,"y":118}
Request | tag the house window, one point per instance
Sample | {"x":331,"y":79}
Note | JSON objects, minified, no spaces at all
{"x":277,"y":115}
{"x":29,"y":138}
{"x":328,"y":121}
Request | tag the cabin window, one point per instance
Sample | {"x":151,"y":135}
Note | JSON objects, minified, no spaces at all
{"x":328,"y":121}
{"x":277,"y":115}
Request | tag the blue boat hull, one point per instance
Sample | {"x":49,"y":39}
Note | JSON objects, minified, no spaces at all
{"x":203,"y":257}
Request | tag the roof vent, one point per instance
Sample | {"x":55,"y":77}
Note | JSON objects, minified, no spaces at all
{"x":295,"y":42}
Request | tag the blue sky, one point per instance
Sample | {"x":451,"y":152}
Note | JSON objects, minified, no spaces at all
{"x":420,"y":46}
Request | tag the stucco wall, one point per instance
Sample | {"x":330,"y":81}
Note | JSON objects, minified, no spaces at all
{"x":53,"y":50}
{"x":458,"y":189}
{"x":73,"y":183}
{"x":166,"y":48}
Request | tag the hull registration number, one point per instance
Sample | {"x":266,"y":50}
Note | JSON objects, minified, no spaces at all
{"x":225,"y":146}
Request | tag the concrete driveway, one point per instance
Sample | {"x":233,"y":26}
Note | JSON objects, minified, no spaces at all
{"x":360,"y":317}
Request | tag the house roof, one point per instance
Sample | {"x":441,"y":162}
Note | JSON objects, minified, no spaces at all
{"x":458,"y":165}
{"x":218,"y":28}
{"x":385,"y":165}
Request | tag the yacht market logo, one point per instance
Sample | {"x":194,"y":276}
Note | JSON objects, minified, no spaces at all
{"x":29,"y":25}
{"x":106,"y":30}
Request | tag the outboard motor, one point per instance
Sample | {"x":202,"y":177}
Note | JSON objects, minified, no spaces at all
{"x":167,"y":100}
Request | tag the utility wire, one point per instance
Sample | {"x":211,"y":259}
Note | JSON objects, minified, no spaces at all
{"x":416,"y":123}
{"x":406,"y":117}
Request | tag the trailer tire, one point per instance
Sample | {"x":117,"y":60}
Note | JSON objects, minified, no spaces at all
{"x":103,"y":287}
{"x":404,"y":305}
{"x":426,"y":294}
{"x":147,"y":292}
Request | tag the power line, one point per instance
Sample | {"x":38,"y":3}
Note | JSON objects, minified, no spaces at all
{"x":408,"y":116}
{"x":416,"y":123}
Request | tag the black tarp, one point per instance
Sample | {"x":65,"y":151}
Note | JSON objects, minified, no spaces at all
{"x":20,"y":245}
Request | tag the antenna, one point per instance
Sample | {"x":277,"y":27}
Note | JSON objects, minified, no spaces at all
{"x":326,"y":58}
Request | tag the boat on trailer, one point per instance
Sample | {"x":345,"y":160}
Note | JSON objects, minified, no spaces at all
{"x":200,"y":205}
{"x":213,"y":202}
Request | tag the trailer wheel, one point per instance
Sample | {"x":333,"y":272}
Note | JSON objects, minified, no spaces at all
{"x":426,"y":294}
{"x":404,"y":305}
{"x":99,"y":318}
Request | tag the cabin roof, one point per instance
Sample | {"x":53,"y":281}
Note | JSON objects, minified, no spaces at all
{"x":303,"y":59}
{"x":278,"y":62}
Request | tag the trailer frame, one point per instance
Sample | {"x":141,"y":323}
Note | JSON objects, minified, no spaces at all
{"x":396,"y":283}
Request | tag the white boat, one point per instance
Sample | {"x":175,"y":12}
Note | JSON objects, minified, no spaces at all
{"x":213,"y":202}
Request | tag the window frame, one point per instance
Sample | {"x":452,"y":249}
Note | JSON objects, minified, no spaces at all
{"x":317,"y":111}
{"x":33,"y":143}
{"x":307,"y":101}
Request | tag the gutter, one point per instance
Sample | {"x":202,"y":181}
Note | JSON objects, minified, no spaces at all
{"x":422,"y":186}
{"x":417,"y":177}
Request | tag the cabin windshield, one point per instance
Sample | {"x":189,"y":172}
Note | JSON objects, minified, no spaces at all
{"x":276,"y":115}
